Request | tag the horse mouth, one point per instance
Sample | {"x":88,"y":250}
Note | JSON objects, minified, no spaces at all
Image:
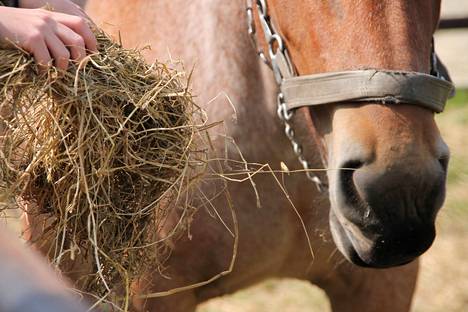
{"x":383,"y":218}
{"x":378,"y":251}
{"x":343,"y":242}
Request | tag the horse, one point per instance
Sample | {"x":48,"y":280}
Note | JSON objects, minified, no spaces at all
{"x":360,"y":241}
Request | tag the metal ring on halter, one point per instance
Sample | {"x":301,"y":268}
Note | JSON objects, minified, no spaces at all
{"x":275,"y":38}
{"x":273,"y":54}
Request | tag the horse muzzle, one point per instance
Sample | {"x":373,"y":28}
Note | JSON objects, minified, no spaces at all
{"x":385,"y":217}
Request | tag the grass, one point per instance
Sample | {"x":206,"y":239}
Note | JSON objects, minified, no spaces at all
{"x":443,"y":280}
{"x":459,"y":100}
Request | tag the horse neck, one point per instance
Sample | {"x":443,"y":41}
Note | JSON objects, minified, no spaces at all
{"x":229,"y":71}
{"x":211,"y":37}
{"x":230,"y":81}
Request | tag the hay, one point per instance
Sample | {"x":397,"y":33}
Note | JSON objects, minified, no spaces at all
{"x":104,"y":152}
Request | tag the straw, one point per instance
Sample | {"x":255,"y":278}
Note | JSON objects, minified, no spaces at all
{"x":102,"y":153}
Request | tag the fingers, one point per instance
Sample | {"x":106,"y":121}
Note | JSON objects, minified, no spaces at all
{"x":58,"y":36}
{"x":80,"y":26}
{"x":40,"y":52}
{"x":74,"y":42}
{"x":58,"y":50}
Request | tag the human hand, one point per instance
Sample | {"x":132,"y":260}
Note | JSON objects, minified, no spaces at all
{"x":47,"y":35}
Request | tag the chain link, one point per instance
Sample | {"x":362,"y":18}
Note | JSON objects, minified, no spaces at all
{"x":285,"y":117}
{"x":253,"y":33}
{"x":275,"y":47}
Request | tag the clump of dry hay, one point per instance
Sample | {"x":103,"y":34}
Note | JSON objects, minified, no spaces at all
{"x":103,"y":151}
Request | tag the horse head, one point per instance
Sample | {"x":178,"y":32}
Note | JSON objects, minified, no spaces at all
{"x":387,"y":163}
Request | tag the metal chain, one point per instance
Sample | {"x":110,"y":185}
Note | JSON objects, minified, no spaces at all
{"x":253,"y":33}
{"x":277,"y":48}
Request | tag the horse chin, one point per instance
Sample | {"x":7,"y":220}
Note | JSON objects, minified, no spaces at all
{"x":368,"y":253}
{"x":343,"y":242}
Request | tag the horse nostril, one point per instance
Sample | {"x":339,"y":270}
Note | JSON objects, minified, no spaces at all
{"x":443,"y":161}
{"x":348,"y":188}
{"x":352,"y":164}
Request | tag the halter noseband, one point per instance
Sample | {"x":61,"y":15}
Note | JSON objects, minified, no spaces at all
{"x":370,"y":85}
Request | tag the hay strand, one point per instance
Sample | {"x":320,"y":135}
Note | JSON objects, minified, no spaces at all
{"x":100,"y":154}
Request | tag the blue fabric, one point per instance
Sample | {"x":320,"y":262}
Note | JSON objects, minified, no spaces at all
{"x":44,"y":302}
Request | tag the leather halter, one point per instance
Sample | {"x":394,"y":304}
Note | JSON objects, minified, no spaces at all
{"x":370,"y":85}
{"x":385,"y":86}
